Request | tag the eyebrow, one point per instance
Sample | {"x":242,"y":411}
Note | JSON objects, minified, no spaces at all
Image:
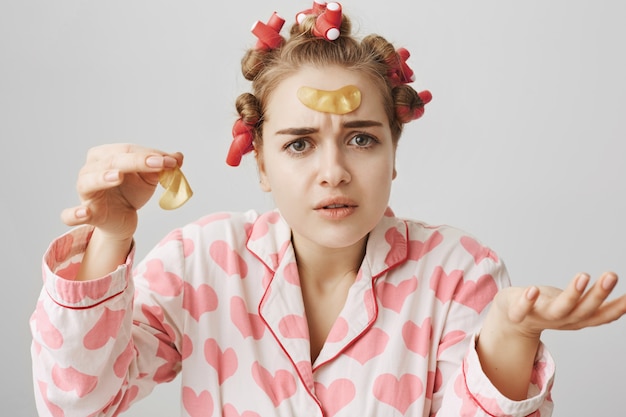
{"x":300,"y":131}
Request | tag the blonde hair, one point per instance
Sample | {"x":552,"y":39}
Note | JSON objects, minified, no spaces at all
{"x":372,"y":56}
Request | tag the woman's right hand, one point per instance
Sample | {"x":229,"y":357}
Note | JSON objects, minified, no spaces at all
{"x":114,"y":183}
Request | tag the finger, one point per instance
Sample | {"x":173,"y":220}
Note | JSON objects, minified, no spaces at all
{"x":130,"y":158}
{"x":90,"y":183}
{"x":608,"y":312}
{"x":103,"y":152}
{"x":75,"y":216}
{"x":596,"y":295}
{"x":570,"y":297}
{"x":523,"y":306}
{"x":144,"y":162}
{"x":94,"y":179}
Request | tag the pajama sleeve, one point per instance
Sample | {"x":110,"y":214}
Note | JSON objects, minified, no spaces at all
{"x":93,"y":352}
{"x":461,"y":387}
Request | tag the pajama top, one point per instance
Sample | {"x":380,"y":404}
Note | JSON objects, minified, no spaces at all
{"x":218,"y":301}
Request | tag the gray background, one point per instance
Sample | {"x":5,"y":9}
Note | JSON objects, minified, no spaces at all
{"x":523,"y":144}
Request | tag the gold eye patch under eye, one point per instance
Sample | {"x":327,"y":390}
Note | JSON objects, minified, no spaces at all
{"x":341,"y":101}
{"x":177,"y":190}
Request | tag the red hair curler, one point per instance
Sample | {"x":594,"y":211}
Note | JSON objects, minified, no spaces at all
{"x":268,"y":34}
{"x":318,"y":7}
{"x":328,"y":23}
{"x":241,"y":144}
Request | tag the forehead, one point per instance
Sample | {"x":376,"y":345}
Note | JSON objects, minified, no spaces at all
{"x":330,"y":78}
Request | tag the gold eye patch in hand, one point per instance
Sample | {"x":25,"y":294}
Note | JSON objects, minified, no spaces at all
{"x":177,"y":190}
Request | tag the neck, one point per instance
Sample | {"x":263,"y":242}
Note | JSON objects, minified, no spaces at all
{"x":325,"y":267}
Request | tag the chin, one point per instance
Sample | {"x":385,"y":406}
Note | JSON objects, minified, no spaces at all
{"x":341,"y":240}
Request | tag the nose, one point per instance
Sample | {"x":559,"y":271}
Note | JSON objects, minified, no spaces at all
{"x":333,"y":168}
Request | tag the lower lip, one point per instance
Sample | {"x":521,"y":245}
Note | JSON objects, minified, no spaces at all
{"x":336,"y":213}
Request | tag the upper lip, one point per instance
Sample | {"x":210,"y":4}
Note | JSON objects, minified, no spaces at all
{"x":335,"y":202}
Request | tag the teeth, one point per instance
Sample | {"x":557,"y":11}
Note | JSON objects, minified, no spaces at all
{"x":332,"y":206}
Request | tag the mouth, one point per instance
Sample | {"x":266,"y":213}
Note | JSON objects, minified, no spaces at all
{"x":335,"y":203}
{"x":335,"y":206}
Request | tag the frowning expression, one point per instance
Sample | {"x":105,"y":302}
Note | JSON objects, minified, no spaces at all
{"x":330,"y":174}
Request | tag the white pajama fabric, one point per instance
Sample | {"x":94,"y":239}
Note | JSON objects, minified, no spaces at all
{"x":219,"y":302}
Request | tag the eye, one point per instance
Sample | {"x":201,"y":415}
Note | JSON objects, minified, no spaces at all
{"x":363,"y":141}
{"x":297,"y":146}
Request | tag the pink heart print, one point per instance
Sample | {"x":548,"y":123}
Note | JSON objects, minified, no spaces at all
{"x":120,"y":367}
{"x":50,"y":335}
{"x":198,"y":301}
{"x":339,"y":331}
{"x":278,"y":387}
{"x":399,"y":393}
{"x":197,"y":405}
{"x":129,"y":396}
{"x":398,"y":246}
{"x":433,"y":384}
{"x":69,"y":379}
{"x":372,"y":344}
{"x":291,"y":274}
{"x":477,"y":295}
{"x":55,"y":410}
{"x":262,"y":225}
{"x":224,"y":362}
{"x":393,"y":296}
{"x":468,"y":406}
{"x":187,"y":347}
{"x":229,"y":410}
{"x":156,"y":318}
{"x":444,"y":284}
{"x":105,"y":328}
{"x":339,"y":393}
{"x":249,"y":324}
{"x":176,"y":235}
{"x":450,"y":339}
{"x":212,"y":218}
{"x":417,"y":338}
{"x":228,"y":259}
{"x":478,"y":251}
{"x":161,"y":281}
{"x":293,"y":326}
{"x":166,"y":371}
{"x":417,"y":248}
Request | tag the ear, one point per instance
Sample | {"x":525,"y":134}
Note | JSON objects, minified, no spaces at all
{"x":263,"y":180}
{"x":395,"y":172}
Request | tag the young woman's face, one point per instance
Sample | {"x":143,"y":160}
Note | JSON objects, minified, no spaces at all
{"x":330,"y":174}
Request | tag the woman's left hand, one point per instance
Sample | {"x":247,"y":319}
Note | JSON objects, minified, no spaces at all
{"x":531,"y":310}
{"x":510,"y":335}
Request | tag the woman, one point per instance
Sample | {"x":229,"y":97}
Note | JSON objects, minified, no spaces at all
{"x":327,"y":306}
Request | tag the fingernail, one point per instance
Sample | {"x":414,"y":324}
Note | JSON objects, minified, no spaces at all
{"x":532,"y":293}
{"x":609,"y":282}
{"x":112,"y":176}
{"x":80,"y":213}
{"x":154,"y":161}
{"x":582,"y":281}
{"x":169,"y":162}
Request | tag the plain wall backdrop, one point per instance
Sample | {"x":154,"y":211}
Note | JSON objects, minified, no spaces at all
{"x":523,"y":145}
